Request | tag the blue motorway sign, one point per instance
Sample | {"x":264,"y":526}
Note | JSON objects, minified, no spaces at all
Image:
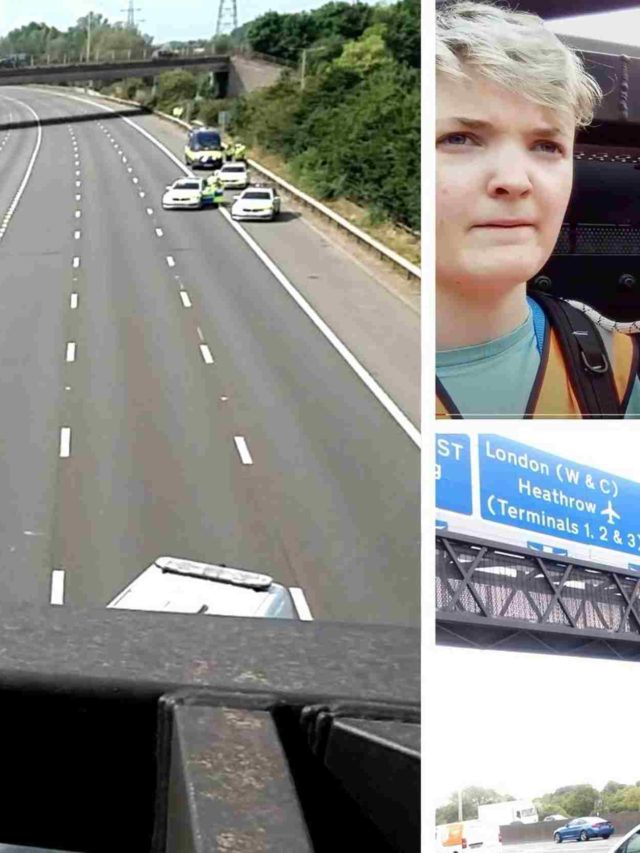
{"x":453,"y":473}
{"x":528,"y":488}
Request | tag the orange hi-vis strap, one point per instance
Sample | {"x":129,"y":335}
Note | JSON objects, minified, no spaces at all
{"x":553,"y":395}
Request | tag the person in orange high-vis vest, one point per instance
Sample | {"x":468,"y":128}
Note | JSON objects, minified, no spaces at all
{"x":510,"y":96}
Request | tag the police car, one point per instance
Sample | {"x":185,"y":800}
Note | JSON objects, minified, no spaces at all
{"x":258,"y":202}
{"x":233,"y":176}
{"x":184,"y":193}
{"x":177,"y":585}
{"x":204,"y":149}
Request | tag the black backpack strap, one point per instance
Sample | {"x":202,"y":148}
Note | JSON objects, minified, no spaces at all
{"x":585,"y":356}
{"x":446,"y":400}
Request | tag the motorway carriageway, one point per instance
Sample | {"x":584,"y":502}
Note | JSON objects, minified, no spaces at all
{"x":163,"y":393}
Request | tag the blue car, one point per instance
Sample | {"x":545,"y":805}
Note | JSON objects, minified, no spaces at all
{"x":582,"y":829}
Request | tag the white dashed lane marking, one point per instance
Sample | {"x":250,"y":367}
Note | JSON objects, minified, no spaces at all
{"x":71,"y":351}
{"x":150,"y":211}
{"x":185,"y":299}
{"x":301,"y":603}
{"x":243,"y":450}
{"x":206,"y":354}
{"x":65,"y":442}
{"x":57,"y":586}
{"x":76,"y":235}
{"x":159,"y":232}
{"x":170,"y":261}
{"x":74,"y":301}
{"x":77,"y":214}
{"x":76,"y":262}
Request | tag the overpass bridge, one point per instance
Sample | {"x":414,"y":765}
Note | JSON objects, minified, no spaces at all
{"x":44,"y":72}
{"x":494,"y":596}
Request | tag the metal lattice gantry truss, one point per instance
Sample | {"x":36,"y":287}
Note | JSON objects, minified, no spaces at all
{"x":490,"y":595}
{"x":227,"y":17}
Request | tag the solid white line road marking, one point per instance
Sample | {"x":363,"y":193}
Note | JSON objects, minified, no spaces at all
{"x":170,"y":261}
{"x":76,"y":235}
{"x":206,"y":354}
{"x":76,"y":262}
{"x":65,"y":442}
{"x":301,"y":603}
{"x":32,"y":160}
{"x":57,"y":586}
{"x":74,"y":300}
{"x":71,"y":351}
{"x":159,"y":232}
{"x":243,"y":450}
{"x":185,"y":299}
{"x":381,"y":395}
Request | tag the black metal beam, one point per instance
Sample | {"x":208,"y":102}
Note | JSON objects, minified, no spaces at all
{"x":127,"y":730}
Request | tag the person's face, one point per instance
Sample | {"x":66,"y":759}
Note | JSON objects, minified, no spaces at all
{"x":504,"y":169}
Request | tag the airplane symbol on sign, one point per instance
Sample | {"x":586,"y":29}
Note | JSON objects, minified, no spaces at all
{"x":610,"y":513}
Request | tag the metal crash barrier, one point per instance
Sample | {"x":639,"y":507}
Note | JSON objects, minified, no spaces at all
{"x":162,"y":732}
{"x":490,"y":595}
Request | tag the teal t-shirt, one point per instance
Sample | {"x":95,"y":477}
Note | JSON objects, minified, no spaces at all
{"x":494,"y":379}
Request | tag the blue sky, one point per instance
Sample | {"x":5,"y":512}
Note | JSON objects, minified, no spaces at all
{"x":165,"y":20}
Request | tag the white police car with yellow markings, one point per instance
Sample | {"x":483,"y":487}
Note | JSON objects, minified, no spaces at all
{"x":256,"y":203}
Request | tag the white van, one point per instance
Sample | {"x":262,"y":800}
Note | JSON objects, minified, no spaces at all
{"x":467,"y":835}
{"x":176,"y":585}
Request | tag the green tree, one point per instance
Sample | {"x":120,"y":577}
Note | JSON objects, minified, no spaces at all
{"x":176,"y":86}
{"x":365,"y":54}
{"x":403,"y":32}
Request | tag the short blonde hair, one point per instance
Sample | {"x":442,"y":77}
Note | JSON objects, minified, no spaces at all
{"x":517,"y":51}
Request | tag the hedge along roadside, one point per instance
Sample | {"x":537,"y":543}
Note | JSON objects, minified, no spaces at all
{"x":412,"y":271}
